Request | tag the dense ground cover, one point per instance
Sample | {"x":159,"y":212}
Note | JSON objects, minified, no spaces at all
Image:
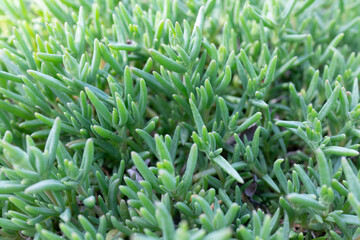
{"x":179,"y":119}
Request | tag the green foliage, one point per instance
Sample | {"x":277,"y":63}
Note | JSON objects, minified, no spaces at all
{"x":179,"y":119}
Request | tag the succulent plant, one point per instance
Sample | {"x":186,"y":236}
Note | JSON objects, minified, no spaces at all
{"x":179,"y":119}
